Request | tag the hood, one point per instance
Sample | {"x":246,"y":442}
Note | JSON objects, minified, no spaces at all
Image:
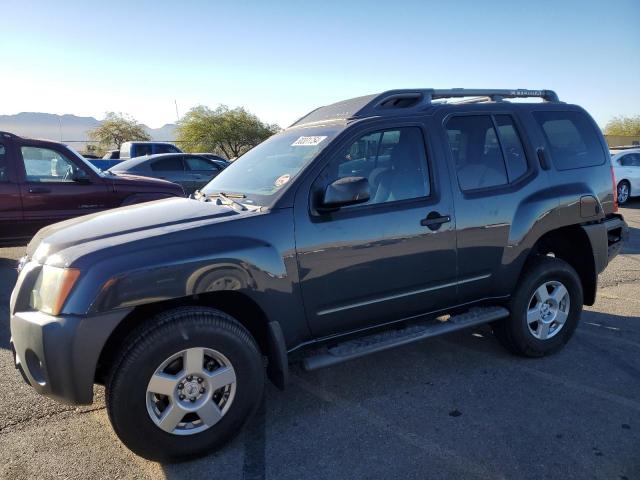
{"x":123,"y":225}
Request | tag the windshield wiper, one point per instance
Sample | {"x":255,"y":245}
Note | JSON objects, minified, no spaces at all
{"x":229,"y":197}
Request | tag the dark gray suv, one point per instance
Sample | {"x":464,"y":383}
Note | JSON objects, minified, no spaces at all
{"x":366,"y":225}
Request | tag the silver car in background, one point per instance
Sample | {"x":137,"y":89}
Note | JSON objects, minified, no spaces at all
{"x":190,"y":171}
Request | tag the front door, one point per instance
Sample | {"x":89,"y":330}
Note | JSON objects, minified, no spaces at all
{"x":55,"y":187}
{"x":11,"y":225}
{"x":391,"y":258}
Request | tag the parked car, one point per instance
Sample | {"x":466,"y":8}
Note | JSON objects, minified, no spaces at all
{"x":191,"y":171}
{"x":366,"y":225}
{"x":43,"y":182}
{"x":626,"y":167}
{"x":213,"y":156}
{"x":139,"y":149}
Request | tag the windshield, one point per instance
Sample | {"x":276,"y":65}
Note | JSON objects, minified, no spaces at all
{"x":263,"y":171}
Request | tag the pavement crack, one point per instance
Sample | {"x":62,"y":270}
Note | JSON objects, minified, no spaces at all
{"x":26,"y":421}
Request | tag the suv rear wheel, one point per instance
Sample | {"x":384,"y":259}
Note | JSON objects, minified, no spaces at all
{"x":184,"y":383}
{"x":545,"y":309}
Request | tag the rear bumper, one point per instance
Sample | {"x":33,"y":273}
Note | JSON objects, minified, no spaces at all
{"x":57,"y":356}
{"x":606,"y":239}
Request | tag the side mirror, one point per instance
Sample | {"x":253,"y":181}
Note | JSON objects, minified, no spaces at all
{"x":345,"y":191}
{"x":81,"y":177}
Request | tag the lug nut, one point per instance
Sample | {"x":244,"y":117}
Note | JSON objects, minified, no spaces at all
{"x":192,"y":400}
{"x":189,"y":377}
{"x":181,"y":397}
{"x":200,"y":380}
{"x":201,"y":389}
{"x":180,"y":386}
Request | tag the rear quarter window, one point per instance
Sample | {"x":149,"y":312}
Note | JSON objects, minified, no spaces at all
{"x":571,"y":138}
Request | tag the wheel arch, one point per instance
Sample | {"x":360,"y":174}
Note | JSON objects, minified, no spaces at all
{"x":267,"y":333}
{"x":571,"y":244}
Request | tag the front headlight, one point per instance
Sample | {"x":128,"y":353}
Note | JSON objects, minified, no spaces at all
{"x":52,"y":288}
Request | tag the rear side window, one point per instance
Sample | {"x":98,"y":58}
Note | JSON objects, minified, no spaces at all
{"x":4,"y":170}
{"x":200,"y":164}
{"x":170,"y":164}
{"x":514,"y":155}
{"x":572,"y":139}
{"x":476,"y":152}
{"x":630,"y":160}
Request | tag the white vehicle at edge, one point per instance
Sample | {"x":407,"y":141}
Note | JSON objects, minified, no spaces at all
{"x":626,"y":166}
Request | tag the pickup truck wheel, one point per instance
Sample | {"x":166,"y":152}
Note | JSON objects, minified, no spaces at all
{"x":184,"y":384}
{"x":545,"y":309}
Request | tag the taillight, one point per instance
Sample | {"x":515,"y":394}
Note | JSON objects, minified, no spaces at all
{"x":615,"y":190}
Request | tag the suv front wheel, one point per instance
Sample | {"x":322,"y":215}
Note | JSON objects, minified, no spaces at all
{"x":184,"y":383}
{"x":545,"y":309}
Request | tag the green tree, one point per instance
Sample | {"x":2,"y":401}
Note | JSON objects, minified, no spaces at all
{"x":624,"y":126}
{"x":222,"y":131}
{"x":117,"y":128}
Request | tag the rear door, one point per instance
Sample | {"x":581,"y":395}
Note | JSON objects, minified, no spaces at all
{"x":492,"y":171}
{"x":11,"y":218}
{"x":55,"y":186}
{"x":172,"y":168}
{"x":201,"y":169}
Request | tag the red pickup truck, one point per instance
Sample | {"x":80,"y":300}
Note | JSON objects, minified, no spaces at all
{"x":43,"y":182}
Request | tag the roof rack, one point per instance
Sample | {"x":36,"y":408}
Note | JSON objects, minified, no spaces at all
{"x":494,"y":95}
{"x":406,"y":100}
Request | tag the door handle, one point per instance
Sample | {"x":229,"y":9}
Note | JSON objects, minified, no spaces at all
{"x":434,"y":220}
{"x":39,"y":190}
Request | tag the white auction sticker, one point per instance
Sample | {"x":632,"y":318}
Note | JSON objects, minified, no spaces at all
{"x":308,"y":141}
{"x":282,"y":179}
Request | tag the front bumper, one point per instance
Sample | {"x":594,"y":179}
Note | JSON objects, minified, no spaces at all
{"x":57,"y":356}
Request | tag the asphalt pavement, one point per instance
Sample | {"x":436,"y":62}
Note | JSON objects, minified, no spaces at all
{"x":453,"y":407}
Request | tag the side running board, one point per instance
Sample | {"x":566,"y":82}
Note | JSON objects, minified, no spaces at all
{"x":385,"y":340}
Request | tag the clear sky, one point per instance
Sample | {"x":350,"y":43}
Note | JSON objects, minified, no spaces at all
{"x":280,"y":59}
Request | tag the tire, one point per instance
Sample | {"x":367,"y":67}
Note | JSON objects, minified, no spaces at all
{"x":624,"y":192}
{"x":231,"y":366}
{"x":520,"y":332}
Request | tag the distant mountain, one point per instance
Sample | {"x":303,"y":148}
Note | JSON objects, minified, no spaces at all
{"x":68,"y":128}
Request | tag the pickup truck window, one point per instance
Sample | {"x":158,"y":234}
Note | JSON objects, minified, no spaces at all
{"x":394,"y":162}
{"x":4,"y":171}
{"x":166,"y":149}
{"x":572,"y":139}
{"x":476,"y":151}
{"x":46,"y":165}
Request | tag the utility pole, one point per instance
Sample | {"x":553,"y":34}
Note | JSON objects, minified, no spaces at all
{"x":177,"y":115}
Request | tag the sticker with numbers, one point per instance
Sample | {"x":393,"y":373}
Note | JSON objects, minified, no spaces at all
{"x":308,"y":141}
